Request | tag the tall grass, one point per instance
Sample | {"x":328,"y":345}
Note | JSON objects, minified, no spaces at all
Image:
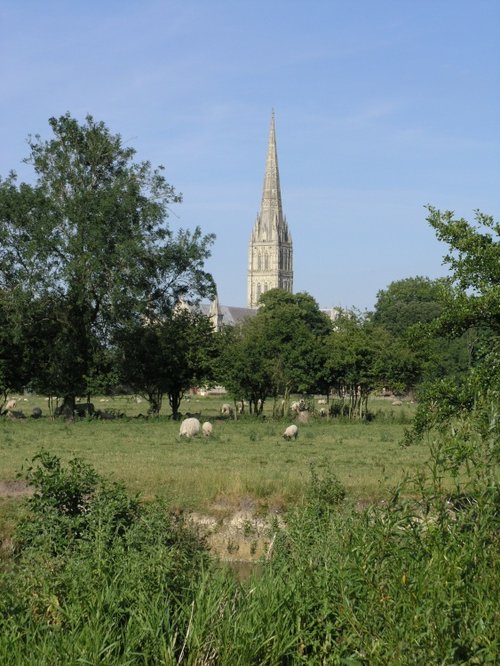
{"x":104,"y":579}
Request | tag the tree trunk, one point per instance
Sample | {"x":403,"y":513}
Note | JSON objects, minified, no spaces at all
{"x":67,"y":409}
{"x":174,"y":400}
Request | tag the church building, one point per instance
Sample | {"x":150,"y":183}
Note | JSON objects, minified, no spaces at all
{"x":270,"y":252}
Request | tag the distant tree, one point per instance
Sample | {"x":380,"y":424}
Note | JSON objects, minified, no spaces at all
{"x":355,"y":364}
{"x":168,"y":357}
{"x":410,"y":301}
{"x":277,"y":352}
{"x":405,"y":309}
{"x":87,"y":248}
{"x":243,"y":365}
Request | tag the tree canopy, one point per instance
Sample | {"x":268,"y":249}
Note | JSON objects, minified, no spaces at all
{"x":472,"y":303}
{"x":278,"y":351}
{"x":87,"y":248}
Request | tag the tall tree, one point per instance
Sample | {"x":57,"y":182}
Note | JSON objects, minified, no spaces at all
{"x":355,"y":363}
{"x":277,"y":352}
{"x":90,"y":241}
{"x":12,"y":360}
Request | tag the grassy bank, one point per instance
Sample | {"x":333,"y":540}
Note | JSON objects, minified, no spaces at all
{"x":98,"y":578}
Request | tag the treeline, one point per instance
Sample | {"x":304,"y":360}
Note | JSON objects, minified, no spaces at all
{"x":98,"y":294}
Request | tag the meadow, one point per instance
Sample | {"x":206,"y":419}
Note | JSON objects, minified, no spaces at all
{"x":94,"y":576}
{"x":244,"y":460}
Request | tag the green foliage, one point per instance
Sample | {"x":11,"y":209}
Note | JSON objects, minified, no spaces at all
{"x":325,"y":490}
{"x":355,"y":365}
{"x":115,"y":582}
{"x":87,"y":249}
{"x":167,"y":356}
{"x":474,"y":259}
{"x":12,"y":362}
{"x":407,"y":302}
{"x":404,"y":581}
{"x":472,"y":307}
{"x":67,"y":504}
{"x":277,"y":352}
{"x":407,"y":309}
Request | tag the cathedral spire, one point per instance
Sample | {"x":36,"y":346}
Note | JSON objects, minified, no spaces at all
{"x":271,"y":209}
{"x":270,"y":262}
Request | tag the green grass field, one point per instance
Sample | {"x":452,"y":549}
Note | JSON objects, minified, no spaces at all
{"x":243,"y":460}
{"x":106,"y":580}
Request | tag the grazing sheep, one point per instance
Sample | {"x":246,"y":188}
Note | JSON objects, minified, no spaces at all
{"x":105,"y":416}
{"x":36,"y":413}
{"x":86,"y":408}
{"x":11,"y":405}
{"x":291,"y":432}
{"x":303,"y":417}
{"x":189,"y":427}
{"x":207,"y":428}
{"x":297,"y":407}
{"x":15,"y":415}
{"x":226,"y":410}
{"x":322,"y":401}
{"x":396,"y":403}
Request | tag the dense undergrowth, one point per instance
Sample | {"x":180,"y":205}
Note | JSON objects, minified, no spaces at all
{"x":98,"y":577}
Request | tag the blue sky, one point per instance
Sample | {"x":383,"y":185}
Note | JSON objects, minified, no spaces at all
{"x":382,"y":106}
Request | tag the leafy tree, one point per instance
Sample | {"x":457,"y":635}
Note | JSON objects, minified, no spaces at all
{"x":12,"y":364}
{"x":243,"y":364}
{"x":277,"y":352}
{"x":167,"y":357}
{"x":356,"y":361}
{"x":87,"y":247}
{"x":467,"y":412}
{"x":408,"y":302}
{"x":405,"y":309}
{"x":294,"y":330}
{"x":474,"y":260}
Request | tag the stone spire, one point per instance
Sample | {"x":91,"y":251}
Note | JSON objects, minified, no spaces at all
{"x":270,"y":256}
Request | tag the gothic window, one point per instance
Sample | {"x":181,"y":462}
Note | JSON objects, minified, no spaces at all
{"x":259,"y":262}
{"x":258,"y":291}
{"x":265,"y":287}
{"x":266,"y":262}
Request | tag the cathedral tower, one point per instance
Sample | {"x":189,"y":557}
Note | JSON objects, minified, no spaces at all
{"x":270,"y":252}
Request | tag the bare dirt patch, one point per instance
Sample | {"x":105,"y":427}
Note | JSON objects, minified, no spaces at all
{"x":241,"y":536}
{"x":15,"y":489}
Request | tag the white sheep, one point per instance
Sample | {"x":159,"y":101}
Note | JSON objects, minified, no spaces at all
{"x":291,"y":432}
{"x":11,"y":405}
{"x":207,"y":429}
{"x":297,"y":407}
{"x":189,"y":427}
{"x":303,"y":417}
{"x":226,"y":410}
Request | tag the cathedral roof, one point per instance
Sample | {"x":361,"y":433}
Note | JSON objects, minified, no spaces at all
{"x":230,"y":315}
